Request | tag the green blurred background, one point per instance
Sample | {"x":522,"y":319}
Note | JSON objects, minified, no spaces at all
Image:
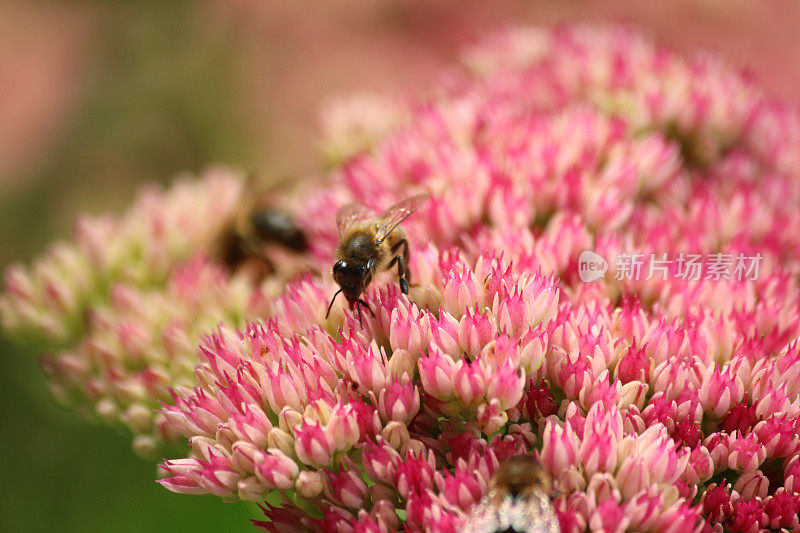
{"x":98,"y":97}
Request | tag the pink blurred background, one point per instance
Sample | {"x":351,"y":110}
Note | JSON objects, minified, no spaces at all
{"x":281,"y":60}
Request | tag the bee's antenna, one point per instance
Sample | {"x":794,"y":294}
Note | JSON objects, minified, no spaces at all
{"x":360,"y":323}
{"x":331,"y":304}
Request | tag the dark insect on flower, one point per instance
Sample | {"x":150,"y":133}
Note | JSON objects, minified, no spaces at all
{"x":518,"y":501}
{"x":255,"y":226}
{"x":369,"y":244}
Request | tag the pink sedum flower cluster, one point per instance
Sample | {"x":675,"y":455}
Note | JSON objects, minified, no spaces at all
{"x":120,"y":309}
{"x":50,"y":300}
{"x":143,"y":343}
{"x":654,"y":403}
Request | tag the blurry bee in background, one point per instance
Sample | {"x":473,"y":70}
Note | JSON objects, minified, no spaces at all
{"x":369,"y":244}
{"x":518,"y":501}
{"x":254,"y":227}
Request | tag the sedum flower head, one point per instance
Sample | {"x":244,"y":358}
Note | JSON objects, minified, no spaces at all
{"x":50,"y":300}
{"x":654,"y":399}
{"x":120,"y":309}
{"x":638,"y":394}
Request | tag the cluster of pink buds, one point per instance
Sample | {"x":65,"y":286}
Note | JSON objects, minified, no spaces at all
{"x":658,"y":395}
{"x":143,"y":343}
{"x":49,"y":301}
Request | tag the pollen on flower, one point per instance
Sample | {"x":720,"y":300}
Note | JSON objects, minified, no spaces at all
{"x":640,"y":395}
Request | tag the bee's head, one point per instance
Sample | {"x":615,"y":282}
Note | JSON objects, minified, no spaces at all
{"x":353,"y":278}
{"x":521,"y":473}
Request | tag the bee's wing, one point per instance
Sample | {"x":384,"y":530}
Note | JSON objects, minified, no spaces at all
{"x":539,"y":515}
{"x":398,"y":213}
{"x":349,"y":214}
{"x":532,"y":515}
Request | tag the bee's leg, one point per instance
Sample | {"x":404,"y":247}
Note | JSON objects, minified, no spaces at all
{"x":402,"y":264}
{"x":362,"y":302}
{"x":359,"y":304}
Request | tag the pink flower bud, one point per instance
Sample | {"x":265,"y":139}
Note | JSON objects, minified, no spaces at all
{"x":490,"y":417}
{"x":718,"y":446}
{"x":277,"y":470}
{"x":748,"y":515}
{"x":677,"y":518}
{"x":644,"y":509}
{"x":678,"y":373}
{"x":745,"y":452}
{"x":633,"y":366}
{"x":559,"y":447}
{"x":284,"y":391}
{"x":218,"y":477}
{"x":716,"y":502}
{"x":401,"y":362}
{"x":245,"y":456}
{"x":343,"y":427}
{"x":505,"y":385}
{"x":281,"y":440}
{"x":791,"y":474}
{"x":632,"y":393}
{"x":461,"y":489}
{"x":700,"y":467}
{"x":740,"y":418}
{"x":183,"y":479}
{"x":396,"y":434}
{"x":719,"y":392}
{"x":313,"y":445}
{"x":752,"y":484}
{"x":414,"y":475}
{"x":602,"y":487}
{"x":779,"y":434}
{"x":602,"y":432}
{"x":384,"y":513}
{"x":575,"y":375}
{"x":461,"y":290}
{"x":602,"y":391}
{"x":409,"y":330}
{"x":399,"y":401}
{"x":290,"y":419}
{"x":445,"y":335}
{"x":250,"y":489}
{"x":436,"y":373}
{"x":475,"y":331}
{"x":632,"y":476}
{"x":609,"y":517}
{"x":775,"y":400}
{"x":368,"y":368}
{"x":783,"y":509}
{"x":309,"y":483}
{"x":380,"y":461}
{"x":346,"y":488}
{"x":469,"y":383}
{"x":252,"y":426}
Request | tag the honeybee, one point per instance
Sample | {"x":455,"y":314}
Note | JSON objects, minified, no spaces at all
{"x":254,"y":226}
{"x":370,"y":244}
{"x":518,"y":501}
